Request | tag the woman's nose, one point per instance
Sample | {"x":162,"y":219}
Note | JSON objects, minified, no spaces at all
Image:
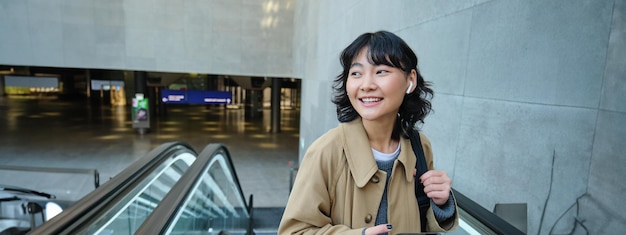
{"x":368,"y":83}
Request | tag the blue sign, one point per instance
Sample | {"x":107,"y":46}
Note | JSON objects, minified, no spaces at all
{"x":195,"y":97}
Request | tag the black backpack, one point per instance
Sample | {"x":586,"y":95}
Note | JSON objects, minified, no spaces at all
{"x":421,"y":167}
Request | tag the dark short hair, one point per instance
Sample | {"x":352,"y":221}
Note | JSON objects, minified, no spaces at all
{"x":385,"y":48}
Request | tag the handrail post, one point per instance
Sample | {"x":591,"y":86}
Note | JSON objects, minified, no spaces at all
{"x":250,"y":213}
{"x":96,"y":178}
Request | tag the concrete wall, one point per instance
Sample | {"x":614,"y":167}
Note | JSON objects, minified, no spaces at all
{"x":232,"y":37}
{"x":530,"y":97}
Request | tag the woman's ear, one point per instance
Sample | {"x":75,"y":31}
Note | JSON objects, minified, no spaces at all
{"x":412,"y":81}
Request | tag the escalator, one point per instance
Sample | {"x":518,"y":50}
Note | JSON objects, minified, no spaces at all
{"x":475,"y":220}
{"x":208,"y":200}
{"x":173,"y":190}
{"x":120,"y":205}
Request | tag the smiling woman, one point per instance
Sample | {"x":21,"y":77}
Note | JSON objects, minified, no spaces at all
{"x":359,"y":178}
{"x":376,"y":90}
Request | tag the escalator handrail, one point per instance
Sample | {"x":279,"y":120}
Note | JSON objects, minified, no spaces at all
{"x":487,"y":218}
{"x":161,"y":217}
{"x":93,"y":202}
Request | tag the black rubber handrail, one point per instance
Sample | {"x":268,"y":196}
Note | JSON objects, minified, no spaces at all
{"x":165,"y":212}
{"x":487,"y":218}
{"x":117,"y":187}
{"x":26,"y":191}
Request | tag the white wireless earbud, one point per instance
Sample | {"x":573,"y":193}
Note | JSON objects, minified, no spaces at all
{"x":410,"y":86}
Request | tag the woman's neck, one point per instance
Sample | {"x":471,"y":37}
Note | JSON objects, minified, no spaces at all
{"x":379,"y":135}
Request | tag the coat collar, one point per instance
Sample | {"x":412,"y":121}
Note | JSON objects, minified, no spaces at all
{"x":360,"y":157}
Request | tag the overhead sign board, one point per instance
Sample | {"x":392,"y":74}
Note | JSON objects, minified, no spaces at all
{"x":195,"y":97}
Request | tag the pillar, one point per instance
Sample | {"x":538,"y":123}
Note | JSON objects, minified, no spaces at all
{"x":275,"y":104}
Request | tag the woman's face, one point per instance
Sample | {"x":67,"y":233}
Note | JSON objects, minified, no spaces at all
{"x":376,"y":91}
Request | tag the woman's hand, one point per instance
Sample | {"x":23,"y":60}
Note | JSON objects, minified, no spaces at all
{"x":378,"y":229}
{"x":436,"y":186}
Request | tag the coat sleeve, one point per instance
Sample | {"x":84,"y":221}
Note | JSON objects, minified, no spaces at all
{"x":444,"y":226}
{"x":309,"y":206}
{"x":434,"y":226}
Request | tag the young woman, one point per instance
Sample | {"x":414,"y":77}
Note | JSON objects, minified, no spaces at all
{"x":358,"y":178}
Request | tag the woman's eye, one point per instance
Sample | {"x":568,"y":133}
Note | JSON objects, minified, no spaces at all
{"x":355,"y":74}
{"x":381,"y":71}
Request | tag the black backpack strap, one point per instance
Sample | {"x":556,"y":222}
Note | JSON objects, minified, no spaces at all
{"x":421,"y":167}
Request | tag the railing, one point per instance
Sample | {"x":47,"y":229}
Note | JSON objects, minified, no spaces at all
{"x":136,"y":188}
{"x":94,"y":172}
{"x":170,"y":191}
{"x":475,"y":219}
{"x":208,"y":198}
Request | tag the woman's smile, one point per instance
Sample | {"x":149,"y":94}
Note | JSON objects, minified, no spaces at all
{"x":368,"y":100}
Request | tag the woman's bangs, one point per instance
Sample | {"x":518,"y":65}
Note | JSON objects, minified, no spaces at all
{"x":379,"y":54}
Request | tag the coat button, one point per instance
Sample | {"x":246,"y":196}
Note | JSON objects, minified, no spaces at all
{"x":368,"y":218}
{"x":375,"y":179}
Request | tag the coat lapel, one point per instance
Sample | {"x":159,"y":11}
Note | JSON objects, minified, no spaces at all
{"x":407,"y":158}
{"x":358,"y":152}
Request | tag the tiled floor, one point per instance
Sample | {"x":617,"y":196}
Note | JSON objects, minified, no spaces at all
{"x":76,"y":134}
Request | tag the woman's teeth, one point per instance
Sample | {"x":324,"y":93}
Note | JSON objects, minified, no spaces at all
{"x":371,"y":99}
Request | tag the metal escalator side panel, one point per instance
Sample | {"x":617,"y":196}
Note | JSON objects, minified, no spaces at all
{"x":474,"y":219}
{"x":208,"y":198}
{"x":130,"y":212}
{"x":85,"y":211}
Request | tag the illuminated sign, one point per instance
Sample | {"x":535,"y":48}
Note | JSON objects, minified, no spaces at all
{"x":195,"y":97}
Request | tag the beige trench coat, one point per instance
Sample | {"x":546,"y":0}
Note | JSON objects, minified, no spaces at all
{"x":339,"y":187}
